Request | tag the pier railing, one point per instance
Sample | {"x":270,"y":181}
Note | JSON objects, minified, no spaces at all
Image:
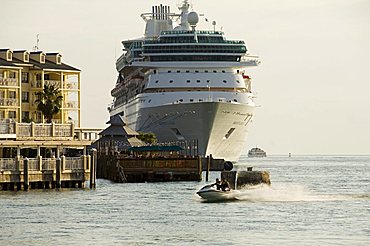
{"x":45,"y":164}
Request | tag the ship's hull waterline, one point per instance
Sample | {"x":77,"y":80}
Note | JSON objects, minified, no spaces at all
{"x":220,"y":128}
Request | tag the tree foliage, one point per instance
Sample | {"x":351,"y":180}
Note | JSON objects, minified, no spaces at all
{"x":49,"y":101}
{"x":148,"y":138}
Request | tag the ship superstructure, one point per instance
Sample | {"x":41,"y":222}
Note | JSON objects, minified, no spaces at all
{"x":185,"y":84}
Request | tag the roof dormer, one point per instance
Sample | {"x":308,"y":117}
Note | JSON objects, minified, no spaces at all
{"x":22,"y":55}
{"x":6,"y":54}
{"x":38,"y":56}
{"x":54,"y":57}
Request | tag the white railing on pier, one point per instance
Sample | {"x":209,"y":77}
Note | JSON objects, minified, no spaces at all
{"x":33,"y":164}
{"x":43,"y":130}
{"x":8,"y":164}
{"x":73,"y":163}
{"x":49,"y":164}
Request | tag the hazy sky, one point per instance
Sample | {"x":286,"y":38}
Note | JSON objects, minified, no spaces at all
{"x":313,"y":85}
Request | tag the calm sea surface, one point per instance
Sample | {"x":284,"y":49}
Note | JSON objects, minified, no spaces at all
{"x":313,"y":200}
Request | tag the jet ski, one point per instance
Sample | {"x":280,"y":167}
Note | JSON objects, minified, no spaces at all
{"x":211,"y":193}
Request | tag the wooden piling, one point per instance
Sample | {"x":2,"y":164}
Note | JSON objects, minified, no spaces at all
{"x":208,"y":166}
{"x":25,"y":174}
{"x":58,"y":174}
{"x":93,"y":167}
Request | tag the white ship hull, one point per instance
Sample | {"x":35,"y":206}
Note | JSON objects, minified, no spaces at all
{"x":220,"y":128}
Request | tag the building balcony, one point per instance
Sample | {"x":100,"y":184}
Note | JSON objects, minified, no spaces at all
{"x":8,"y":82}
{"x":32,"y":131}
{"x":70,"y":105}
{"x":70,"y":86}
{"x":55,"y":83}
{"x":36,"y":84}
{"x":9,"y":102}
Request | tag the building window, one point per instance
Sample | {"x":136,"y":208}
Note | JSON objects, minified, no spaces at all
{"x":9,"y":56}
{"x":26,"y":57}
{"x":12,"y":94}
{"x":2,"y":114}
{"x":59,"y":60}
{"x":12,"y":75}
{"x":12,"y":114}
{"x":24,"y":77}
{"x":46,"y":76}
{"x":25,"y":116}
{"x":25,"y":96}
{"x":42,"y":59}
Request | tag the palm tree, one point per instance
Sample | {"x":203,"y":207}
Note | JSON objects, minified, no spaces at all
{"x":49,"y":101}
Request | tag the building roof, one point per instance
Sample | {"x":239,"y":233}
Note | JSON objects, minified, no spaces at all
{"x":118,"y":128}
{"x":6,"y":63}
{"x":51,"y":65}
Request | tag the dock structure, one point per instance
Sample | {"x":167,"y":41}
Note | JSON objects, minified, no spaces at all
{"x":150,"y":167}
{"x":43,"y":156}
{"x":44,"y":173}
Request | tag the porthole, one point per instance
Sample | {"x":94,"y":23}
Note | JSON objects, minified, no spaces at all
{"x":214,"y":71}
{"x":191,"y":100}
{"x":223,"y":71}
{"x":235,"y":100}
{"x":237,"y":81}
{"x":181,"y":100}
{"x":169,"y":71}
{"x":188,"y":81}
{"x":206,"y":71}
{"x":171,"y":81}
{"x":198,"y":81}
{"x":208,"y":81}
{"x":225,"y":81}
{"x":157,"y":81}
{"x":197,"y":71}
{"x":178,"y":71}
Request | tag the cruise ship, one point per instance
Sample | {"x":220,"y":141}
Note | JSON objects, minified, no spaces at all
{"x":182,"y":83}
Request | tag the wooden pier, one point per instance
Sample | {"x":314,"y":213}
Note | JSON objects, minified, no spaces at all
{"x":155,"y":169}
{"x":45,"y":173}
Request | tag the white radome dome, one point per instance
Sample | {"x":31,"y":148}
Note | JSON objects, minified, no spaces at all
{"x":193,"y":18}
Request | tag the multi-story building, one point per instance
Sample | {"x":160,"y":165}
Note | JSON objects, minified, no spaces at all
{"x":24,"y":73}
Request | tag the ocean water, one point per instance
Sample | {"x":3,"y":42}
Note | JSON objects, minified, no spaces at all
{"x":313,"y":200}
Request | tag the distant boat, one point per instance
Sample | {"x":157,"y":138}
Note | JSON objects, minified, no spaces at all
{"x":256,"y":152}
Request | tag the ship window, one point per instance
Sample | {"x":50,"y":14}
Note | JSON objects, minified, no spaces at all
{"x":200,"y":100}
{"x":181,"y":100}
{"x":150,"y":100}
{"x":197,"y":71}
{"x":169,"y":71}
{"x":171,"y":81}
{"x":198,"y":81}
{"x":157,"y":81}
{"x":187,"y":71}
{"x":235,"y":100}
{"x":188,"y":81}
{"x":237,"y":81}
{"x":208,"y":81}
{"x":237,"y":71}
{"x":206,"y":71}
{"x":155,"y":71}
{"x":223,"y":71}
{"x":178,"y":71}
{"x":191,"y":100}
{"x":228,"y":134}
{"x":225,"y":81}
{"x":214,"y":71}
